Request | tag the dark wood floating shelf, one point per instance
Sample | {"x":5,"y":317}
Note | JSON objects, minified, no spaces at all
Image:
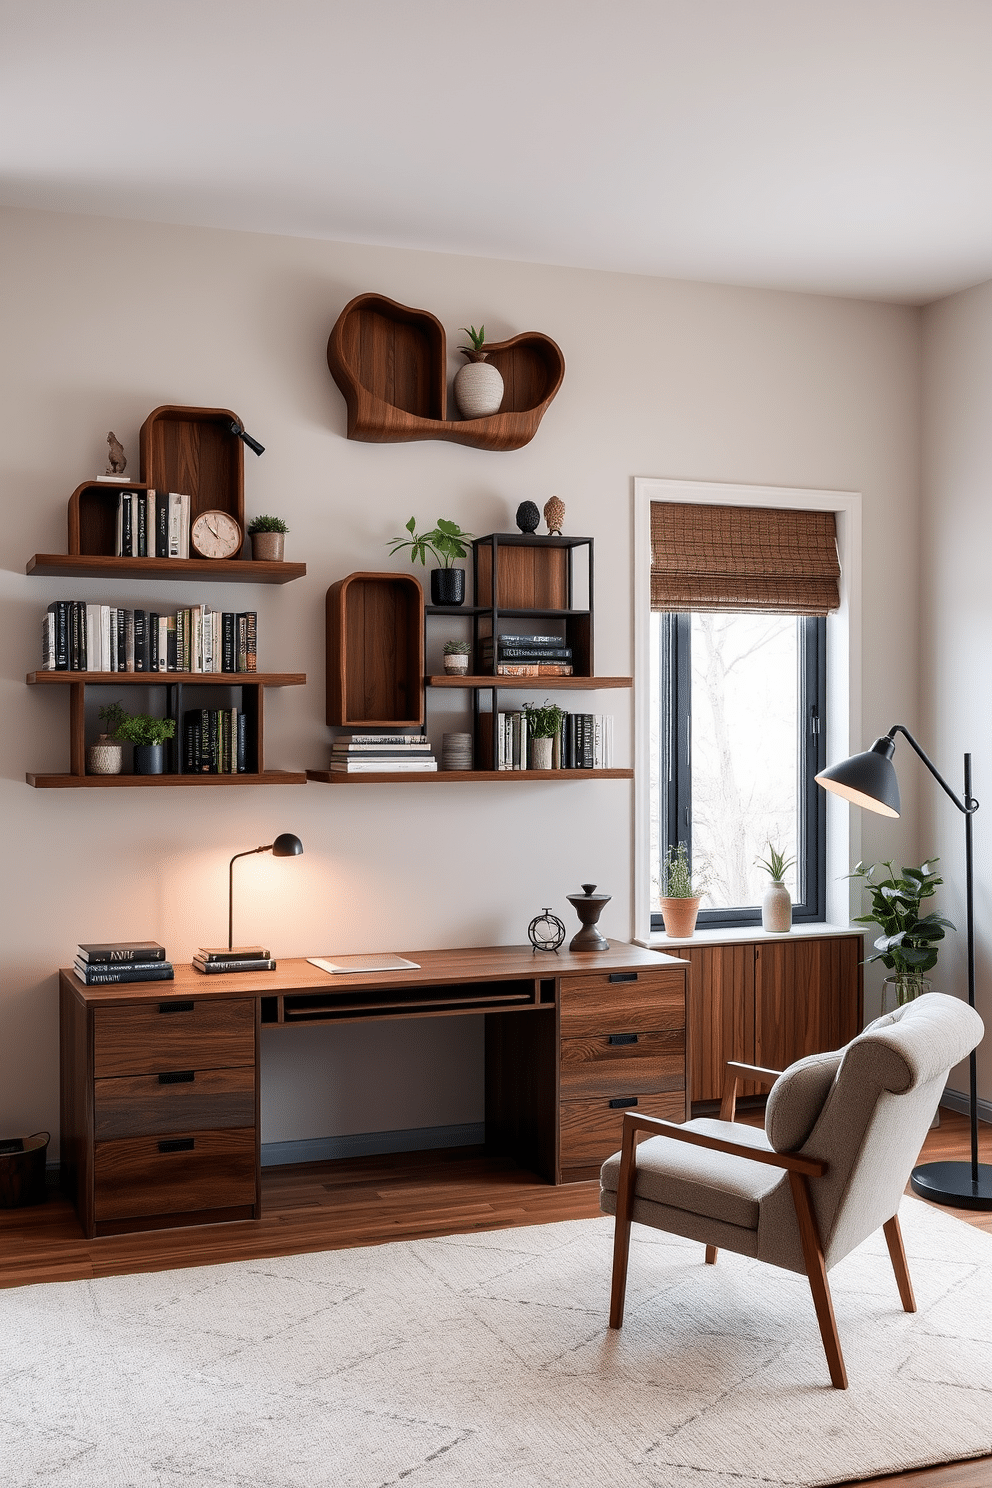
{"x":214,"y":570}
{"x":441,"y":777}
{"x":140,"y":782}
{"x":390,"y":362}
{"x":169,"y":679}
{"x":572,"y":684}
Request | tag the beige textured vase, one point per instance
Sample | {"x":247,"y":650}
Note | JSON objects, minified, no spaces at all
{"x":268,"y":547}
{"x":478,"y":390}
{"x":776,"y":910}
{"x":540,"y":754}
{"x":105,"y":757}
{"x":679,"y":916}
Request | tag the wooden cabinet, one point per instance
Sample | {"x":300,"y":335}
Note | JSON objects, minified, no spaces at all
{"x":770,"y":1002}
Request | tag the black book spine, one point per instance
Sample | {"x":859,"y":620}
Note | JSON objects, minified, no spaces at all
{"x":102,"y":978}
{"x":171,"y":654}
{"x":251,"y":641}
{"x":75,"y":664}
{"x":588,"y":741}
{"x":191,"y":740}
{"x":140,"y":641}
{"x":119,"y":619}
{"x":242,"y":744}
{"x":127,"y":549}
{"x":161,"y":524}
{"x":121,"y":955}
{"x":152,"y":641}
{"x":142,"y":525}
{"x":228,"y":659}
{"x":60,"y":609}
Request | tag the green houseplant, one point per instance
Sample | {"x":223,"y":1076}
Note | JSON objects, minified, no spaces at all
{"x":681,"y":893}
{"x":909,"y":942}
{"x":148,"y":735}
{"x":543,"y":725}
{"x":446,"y":542}
{"x":268,"y":539}
{"x":776,"y":903}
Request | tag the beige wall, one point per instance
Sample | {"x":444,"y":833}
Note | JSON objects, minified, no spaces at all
{"x":103,"y":320}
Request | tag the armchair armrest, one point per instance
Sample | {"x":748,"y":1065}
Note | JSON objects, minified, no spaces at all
{"x":737,"y":1072}
{"x":791,"y":1161}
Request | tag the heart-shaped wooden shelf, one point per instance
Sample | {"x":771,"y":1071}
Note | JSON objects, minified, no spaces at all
{"x":390,"y":363}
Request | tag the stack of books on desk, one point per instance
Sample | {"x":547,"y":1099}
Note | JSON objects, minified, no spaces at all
{"x":525,"y":656}
{"x":212,"y":960}
{"x":371,"y":754}
{"x":111,"y":961}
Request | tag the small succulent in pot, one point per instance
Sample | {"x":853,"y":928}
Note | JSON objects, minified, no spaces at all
{"x":456,"y":657}
{"x":268,"y":538}
{"x":776,"y":903}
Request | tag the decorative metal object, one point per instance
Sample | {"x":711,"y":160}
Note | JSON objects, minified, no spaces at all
{"x":554,"y":515}
{"x":528,"y":516}
{"x":589,"y":906}
{"x":546,"y":931}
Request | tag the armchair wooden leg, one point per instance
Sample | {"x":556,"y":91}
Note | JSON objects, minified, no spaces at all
{"x":897,"y":1255}
{"x":817,"y":1272}
{"x":711,"y":1255}
{"x":621,"y":1234}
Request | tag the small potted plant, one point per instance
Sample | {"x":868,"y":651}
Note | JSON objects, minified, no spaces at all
{"x":543,"y":726}
{"x":478,"y":386}
{"x":148,"y":735}
{"x":909,"y":940}
{"x":456,"y":655}
{"x":268,"y":539}
{"x":681,"y":893}
{"x":446,"y":542}
{"x":105,"y":755}
{"x":776,"y":905}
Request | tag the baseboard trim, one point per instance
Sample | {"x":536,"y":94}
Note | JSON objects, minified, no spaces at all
{"x":957,"y":1100}
{"x":372,"y":1144}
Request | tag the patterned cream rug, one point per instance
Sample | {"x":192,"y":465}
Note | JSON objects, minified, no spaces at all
{"x":483,"y":1361}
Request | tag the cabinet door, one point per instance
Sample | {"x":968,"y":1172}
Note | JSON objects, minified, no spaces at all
{"x":807,"y":997}
{"x":721,"y":1014}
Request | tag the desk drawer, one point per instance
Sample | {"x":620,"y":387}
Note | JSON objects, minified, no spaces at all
{"x":135,"y":1178}
{"x":176,"y":1033}
{"x":593,"y":1004}
{"x":642,"y":1063}
{"x":590,"y":1129}
{"x":179,"y":1100}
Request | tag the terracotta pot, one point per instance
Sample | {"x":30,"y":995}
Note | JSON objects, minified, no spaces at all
{"x":776,"y":910}
{"x":268,"y":547}
{"x":679,"y":916}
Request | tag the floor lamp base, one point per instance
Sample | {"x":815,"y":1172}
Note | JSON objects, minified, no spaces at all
{"x":952,"y":1183}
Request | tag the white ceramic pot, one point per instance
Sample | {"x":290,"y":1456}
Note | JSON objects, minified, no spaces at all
{"x":540,"y":754}
{"x":105,"y":757}
{"x":776,"y":910}
{"x":478,"y":390}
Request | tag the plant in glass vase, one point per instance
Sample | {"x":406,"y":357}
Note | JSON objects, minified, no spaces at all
{"x":681,"y":893}
{"x":909,"y":942}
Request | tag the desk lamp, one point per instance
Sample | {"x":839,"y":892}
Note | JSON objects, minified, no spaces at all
{"x":869,"y":780}
{"x":285,"y":846}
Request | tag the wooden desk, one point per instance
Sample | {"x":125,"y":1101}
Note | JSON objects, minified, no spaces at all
{"x":160,"y":1080}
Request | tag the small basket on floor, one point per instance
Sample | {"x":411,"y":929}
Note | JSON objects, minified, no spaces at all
{"x":22,"y":1170}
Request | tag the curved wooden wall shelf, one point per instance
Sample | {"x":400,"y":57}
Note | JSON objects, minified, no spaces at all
{"x":390,"y":362}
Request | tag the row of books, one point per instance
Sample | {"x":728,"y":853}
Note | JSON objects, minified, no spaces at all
{"x":525,"y":656}
{"x":584,"y":743}
{"x":215,"y":741}
{"x":370,"y":754}
{"x":152,"y":524}
{"x":80,"y":637}
{"x":102,"y":963}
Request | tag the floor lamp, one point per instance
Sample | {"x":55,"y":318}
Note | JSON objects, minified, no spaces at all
{"x":869,"y":780}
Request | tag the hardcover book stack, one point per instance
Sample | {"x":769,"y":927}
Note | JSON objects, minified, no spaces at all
{"x":371,"y":754}
{"x":584,"y":743}
{"x":152,"y":524}
{"x":525,"y":656}
{"x":106,"y":962}
{"x":215,"y":741}
{"x":79,"y":637}
{"x":213,"y":960}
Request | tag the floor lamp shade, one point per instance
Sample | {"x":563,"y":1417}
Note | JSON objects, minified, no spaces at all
{"x":867,"y":779}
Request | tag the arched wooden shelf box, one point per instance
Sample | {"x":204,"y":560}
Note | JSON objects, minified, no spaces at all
{"x":390,"y":362}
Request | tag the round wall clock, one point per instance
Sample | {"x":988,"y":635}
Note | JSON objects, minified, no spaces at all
{"x":216,"y":534}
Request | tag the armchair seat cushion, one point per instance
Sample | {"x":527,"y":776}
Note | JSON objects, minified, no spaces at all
{"x":715,"y":1185}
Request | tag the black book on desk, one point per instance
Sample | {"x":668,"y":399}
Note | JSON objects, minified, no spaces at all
{"x":116,"y":951}
{"x":134,"y":971}
{"x":217,"y":968}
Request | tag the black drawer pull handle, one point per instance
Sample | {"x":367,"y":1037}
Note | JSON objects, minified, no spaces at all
{"x":615,"y":1038}
{"x":175,"y":1007}
{"x":177,"y":1077}
{"x":622,"y":1102}
{"x":623,"y":976}
{"x":177,"y":1144}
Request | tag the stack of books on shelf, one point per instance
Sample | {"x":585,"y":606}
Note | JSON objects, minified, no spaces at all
{"x":213,"y":960}
{"x":106,"y":962}
{"x":371,"y":754}
{"x":584,"y":743}
{"x":152,"y":524}
{"x":79,"y":637}
{"x":525,"y":656}
{"x":215,"y":741}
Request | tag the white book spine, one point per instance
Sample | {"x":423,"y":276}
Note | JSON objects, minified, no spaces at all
{"x":163,"y":643}
{"x":48,"y":643}
{"x":175,"y":523}
{"x":184,"y":525}
{"x":92,"y":638}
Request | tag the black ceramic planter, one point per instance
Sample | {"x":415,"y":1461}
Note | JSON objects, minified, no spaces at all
{"x":447,"y":586}
{"x":149,"y":759}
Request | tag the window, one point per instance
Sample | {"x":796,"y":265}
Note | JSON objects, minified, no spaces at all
{"x":738,"y":714}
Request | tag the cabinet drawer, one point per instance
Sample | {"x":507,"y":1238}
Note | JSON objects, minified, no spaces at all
{"x":180,"y":1033}
{"x":594,"y":1004}
{"x":648,"y":1062}
{"x":590,"y":1129}
{"x":134,"y":1178}
{"x":179,"y":1100}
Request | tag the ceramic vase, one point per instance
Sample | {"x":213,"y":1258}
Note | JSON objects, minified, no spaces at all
{"x":588,"y":906}
{"x":149,"y":759}
{"x":447,"y":586}
{"x":776,"y":910}
{"x":456,"y":663}
{"x":540,"y":754}
{"x":268,"y":547}
{"x":105,"y":757}
{"x":679,"y":916}
{"x":478,"y":390}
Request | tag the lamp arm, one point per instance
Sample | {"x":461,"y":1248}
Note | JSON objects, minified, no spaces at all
{"x":248,"y":853}
{"x":969,"y":805}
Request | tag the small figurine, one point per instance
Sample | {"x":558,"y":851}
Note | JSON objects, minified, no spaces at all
{"x":554,"y":515}
{"x":117,"y":460}
{"x":528,"y":516}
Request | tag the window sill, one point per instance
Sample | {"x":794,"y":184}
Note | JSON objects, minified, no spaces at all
{"x":745,"y":934}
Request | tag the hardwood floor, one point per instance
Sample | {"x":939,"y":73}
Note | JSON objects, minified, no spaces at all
{"x":329,"y":1206}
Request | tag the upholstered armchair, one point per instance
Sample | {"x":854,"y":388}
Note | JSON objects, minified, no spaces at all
{"x":842,"y":1133}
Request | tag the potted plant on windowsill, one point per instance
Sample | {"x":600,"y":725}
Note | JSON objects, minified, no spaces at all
{"x":268,"y":539}
{"x":681,"y":893}
{"x":543,"y":726}
{"x":148,"y":735}
{"x":776,"y":905}
{"x":446,"y":542}
{"x":909,"y":941}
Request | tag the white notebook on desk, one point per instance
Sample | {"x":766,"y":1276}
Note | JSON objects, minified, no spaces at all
{"x":363,"y":963}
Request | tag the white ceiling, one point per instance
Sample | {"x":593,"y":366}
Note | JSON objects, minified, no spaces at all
{"x":839,"y":146}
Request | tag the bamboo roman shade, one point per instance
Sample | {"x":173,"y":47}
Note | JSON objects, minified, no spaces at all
{"x":743,"y":558}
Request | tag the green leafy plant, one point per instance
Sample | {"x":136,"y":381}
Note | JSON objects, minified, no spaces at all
{"x":140,"y":728}
{"x":113,"y":715}
{"x":677,"y":879}
{"x":446,"y":541}
{"x":544,"y":722}
{"x":776,"y":865}
{"x":477,"y":338}
{"x":457,"y":648}
{"x":266,"y":524}
{"x":909,"y":941}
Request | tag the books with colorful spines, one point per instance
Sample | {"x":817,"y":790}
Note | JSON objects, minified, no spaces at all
{"x":227,"y":953}
{"x":534,"y":669}
{"x":113,"y":952}
{"x":217,"y":968}
{"x":102,"y":976}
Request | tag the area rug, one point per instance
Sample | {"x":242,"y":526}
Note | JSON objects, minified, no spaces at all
{"x":483,"y":1361}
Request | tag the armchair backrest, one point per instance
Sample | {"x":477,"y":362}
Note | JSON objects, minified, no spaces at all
{"x":865,"y":1110}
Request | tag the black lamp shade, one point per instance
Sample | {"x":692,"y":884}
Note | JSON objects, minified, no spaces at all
{"x":287,"y":846}
{"x":867,"y":779}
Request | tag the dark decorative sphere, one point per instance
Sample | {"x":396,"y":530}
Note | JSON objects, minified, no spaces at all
{"x":546,"y":931}
{"x":528,"y":516}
